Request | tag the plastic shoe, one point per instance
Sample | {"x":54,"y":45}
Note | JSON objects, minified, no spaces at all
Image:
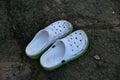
{"x":45,"y":37}
{"x":65,"y":50}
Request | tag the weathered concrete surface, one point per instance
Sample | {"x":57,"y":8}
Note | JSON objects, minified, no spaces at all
{"x":21,"y":19}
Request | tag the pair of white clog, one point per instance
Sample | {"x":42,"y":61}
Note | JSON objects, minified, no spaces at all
{"x":57,"y":45}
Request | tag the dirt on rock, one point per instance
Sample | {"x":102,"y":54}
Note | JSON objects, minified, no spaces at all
{"x":21,"y":19}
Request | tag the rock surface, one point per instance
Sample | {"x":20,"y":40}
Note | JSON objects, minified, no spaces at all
{"x":21,"y":19}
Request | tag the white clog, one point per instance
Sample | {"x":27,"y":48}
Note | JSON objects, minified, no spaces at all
{"x":45,"y":37}
{"x":65,"y":50}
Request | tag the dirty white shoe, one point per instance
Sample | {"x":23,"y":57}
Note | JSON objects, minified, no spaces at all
{"x":45,"y":37}
{"x":65,"y":50}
